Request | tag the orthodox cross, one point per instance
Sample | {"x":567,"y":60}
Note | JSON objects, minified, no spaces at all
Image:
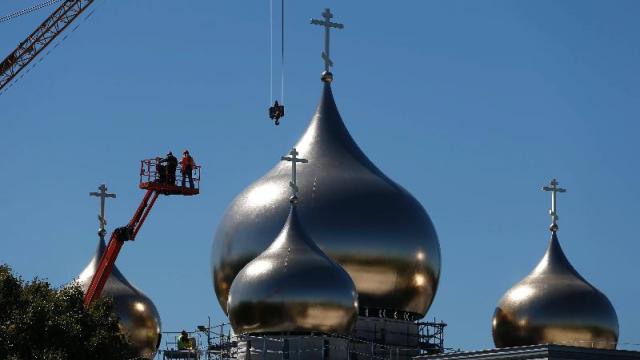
{"x":294,"y":160}
{"x":554,"y":189}
{"x":103,"y":195}
{"x":328,"y":24}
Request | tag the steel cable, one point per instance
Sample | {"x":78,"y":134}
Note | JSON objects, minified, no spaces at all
{"x":282,"y":52}
{"x":28,"y":10}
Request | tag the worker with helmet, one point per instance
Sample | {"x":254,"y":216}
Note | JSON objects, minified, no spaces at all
{"x":187,"y":164}
{"x":184,"y":342}
{"x":172,"y":165}
{"x":161,"y":170}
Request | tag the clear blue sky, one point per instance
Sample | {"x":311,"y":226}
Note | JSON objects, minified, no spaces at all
{"x":471,"y":105}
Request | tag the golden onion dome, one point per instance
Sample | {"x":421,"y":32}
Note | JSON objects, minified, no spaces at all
{"x":555,"y":305}
{"x":368,"y":224}
{"x":292,"y":287}
{"x":138,"y":317}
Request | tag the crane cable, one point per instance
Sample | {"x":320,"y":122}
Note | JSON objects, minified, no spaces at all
{"x":28,"y":10}
{"x":282,"y":52}
{"x":96,"y":6}
{"x":277,"y":110}
{"x":271,"y":51}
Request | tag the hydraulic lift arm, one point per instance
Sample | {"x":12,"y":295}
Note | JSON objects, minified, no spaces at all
{"x":118,"y":237}
{"x":153,"y":181}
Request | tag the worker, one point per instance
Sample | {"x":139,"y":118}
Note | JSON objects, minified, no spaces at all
{"x":184,"y":343}
{"x":187,"y":165}
{"x":172,"y":165}
{"x":161,"y":170}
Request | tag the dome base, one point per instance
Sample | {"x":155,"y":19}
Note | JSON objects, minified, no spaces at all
{"x":539,"y":352}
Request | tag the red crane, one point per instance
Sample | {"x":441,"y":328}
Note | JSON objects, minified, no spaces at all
{"x":152,"y":180}
{"x":30,"y":47}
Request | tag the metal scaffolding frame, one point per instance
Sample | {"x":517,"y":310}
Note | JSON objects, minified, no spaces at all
{"x":220,"y":343}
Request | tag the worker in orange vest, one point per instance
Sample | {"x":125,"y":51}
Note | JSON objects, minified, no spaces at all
{"x":187,"y":165}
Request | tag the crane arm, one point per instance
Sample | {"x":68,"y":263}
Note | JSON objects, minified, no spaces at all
{"x":118,"y":237}
{"x":50,"y":28}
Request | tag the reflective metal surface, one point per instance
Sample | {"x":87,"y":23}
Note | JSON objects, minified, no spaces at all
{"x":364,"y":221}
{"x":291,"y":287}
{"x":139,"y":317}
{"x":555,"y":305}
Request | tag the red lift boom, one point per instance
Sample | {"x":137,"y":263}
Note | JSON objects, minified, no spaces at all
{"x":153,"y":182}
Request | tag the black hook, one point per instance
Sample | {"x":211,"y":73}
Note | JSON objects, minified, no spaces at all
{"x":276,"y":112}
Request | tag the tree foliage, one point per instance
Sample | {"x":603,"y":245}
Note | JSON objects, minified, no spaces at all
{"x":41,"y":322}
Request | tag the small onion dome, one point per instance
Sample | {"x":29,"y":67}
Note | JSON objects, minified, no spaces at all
{"x":292,"y":287}
{"x":555,"y":305}
{"x":139,"y":318}
{"x":371,"y":226}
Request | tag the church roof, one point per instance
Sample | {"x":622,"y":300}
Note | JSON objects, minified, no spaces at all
{"x":138,"y":315}
{"x":554,"y":304}
{"x":538,"y":352}
{"x":292,"y":287}
{"x":371,"y":226}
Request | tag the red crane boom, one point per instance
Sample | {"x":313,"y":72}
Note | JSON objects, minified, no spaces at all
{"x":50,"y":28}
{"x":153,"y":181}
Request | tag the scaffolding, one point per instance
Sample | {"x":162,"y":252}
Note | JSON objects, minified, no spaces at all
{"x":220,"y":343}
{"x":431,"y":337}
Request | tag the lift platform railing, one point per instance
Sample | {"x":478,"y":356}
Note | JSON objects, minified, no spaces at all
{"x":156,"y":175}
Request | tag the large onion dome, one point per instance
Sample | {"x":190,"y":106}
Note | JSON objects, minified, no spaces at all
{"x":555,"y":305}
{"x":292,"y":287}
{"x":139,"y":318}
{"x":368,"y":224}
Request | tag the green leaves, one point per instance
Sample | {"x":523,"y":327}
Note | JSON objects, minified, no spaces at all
{"x":41,"y":322}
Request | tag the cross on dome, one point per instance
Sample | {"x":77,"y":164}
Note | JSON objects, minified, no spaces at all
{"x":328,"y":24}
{"x":294,"y":160}
{"x":103,"y":195}
{"x":554,"y":189}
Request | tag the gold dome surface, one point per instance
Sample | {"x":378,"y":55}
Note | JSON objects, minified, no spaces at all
{"x":371,"y":226}
{"x":292,"y":287}
{"x":555,"y":305}
{"x":139,"y":318}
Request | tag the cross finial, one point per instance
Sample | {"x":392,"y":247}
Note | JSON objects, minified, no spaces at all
{"x":293,"y":183}
{"x":328,"y":24}
{"x":103,"y":194}
{"x":554,"y":189}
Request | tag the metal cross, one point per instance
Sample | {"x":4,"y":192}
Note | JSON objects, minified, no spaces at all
{"x":294,"y":160}
{"x":103,"y":194}
{"x":554,"y":189}
{"x":327,"y":15}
